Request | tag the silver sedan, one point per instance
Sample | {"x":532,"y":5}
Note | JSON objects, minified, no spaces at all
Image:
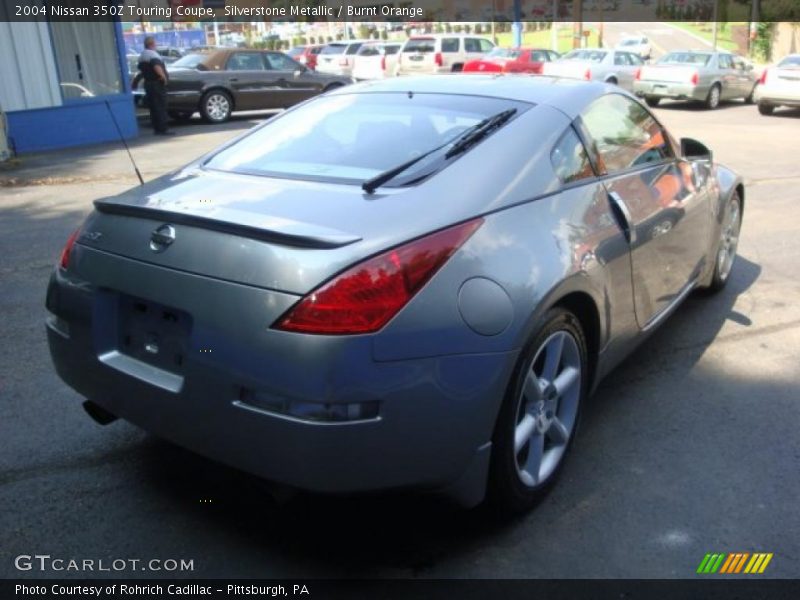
{"x":707,"y":77}
{"x":619,"y":67}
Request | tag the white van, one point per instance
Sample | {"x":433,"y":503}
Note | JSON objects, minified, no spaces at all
{"x":440,"y":53}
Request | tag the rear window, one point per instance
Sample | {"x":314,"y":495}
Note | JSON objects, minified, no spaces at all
{"x":503,"y":53}
{"x":369,"y":50}
{"x":588,"y":55}
{"x":353,"y":48}
{"x":334,"y":49}
{"x":419,"y":45}
{"x":790,"y":62}
{"x":685,"y":58}
{"x":344,"y":137}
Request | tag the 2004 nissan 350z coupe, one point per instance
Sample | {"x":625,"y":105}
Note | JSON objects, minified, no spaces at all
{"x":411,"y":283}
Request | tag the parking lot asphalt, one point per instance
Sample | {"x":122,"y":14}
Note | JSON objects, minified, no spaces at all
{"x":689,"y":447}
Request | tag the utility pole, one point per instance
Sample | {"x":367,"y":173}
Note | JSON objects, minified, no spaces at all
{"x":577,"y":27}
{"x":716,"y":25}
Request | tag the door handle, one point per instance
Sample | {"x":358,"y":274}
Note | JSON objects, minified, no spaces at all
{"x":623,"y":216}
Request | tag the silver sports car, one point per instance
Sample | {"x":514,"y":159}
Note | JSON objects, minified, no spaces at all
{"x":411,"y":283}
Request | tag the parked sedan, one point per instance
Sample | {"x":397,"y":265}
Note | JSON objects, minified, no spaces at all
{"x":512,"y":60}
{"x":611,"y":66}
{"x":338,"y":58}
{"x":779,"y":85}
{"x":707,"y":77}
{"x":223,"y":81}
{"x":314,"y":303}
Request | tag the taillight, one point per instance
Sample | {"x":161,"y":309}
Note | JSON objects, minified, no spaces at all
{"x":366,"y":296}
{"x":587,"y":75}
{"x":64,"y":260}
{"x":638,"y":75}
{"x":763,"y":79}
{"x":437,"y":58}
{"x":695,"y":78}
{"x":383,"y":62}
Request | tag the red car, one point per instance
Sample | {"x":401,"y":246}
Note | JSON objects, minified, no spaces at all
{"x":512,"y":60}
{"x":306,"y":55}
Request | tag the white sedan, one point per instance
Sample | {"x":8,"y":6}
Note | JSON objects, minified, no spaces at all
{"x":779,"y":85}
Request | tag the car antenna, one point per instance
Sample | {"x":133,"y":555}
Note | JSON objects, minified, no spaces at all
{"x":124,"y":143}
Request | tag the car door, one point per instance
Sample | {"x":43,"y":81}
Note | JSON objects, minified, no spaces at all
{"x":247,"y":78}
{"x":653,"y":195}
{"x":728,"y":77}
{"x":746,"y":81}
{"x":290,"y":81}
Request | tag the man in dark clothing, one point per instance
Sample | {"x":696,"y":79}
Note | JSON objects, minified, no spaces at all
{"x":154,"y":73}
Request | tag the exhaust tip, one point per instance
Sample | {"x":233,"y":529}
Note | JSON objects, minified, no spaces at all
{"x":98,"y":413}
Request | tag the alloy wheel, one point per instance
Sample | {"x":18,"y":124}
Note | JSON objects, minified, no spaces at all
{"x":729,"y":240}
{"x":547,"y":408}
{"x":218,"y":107}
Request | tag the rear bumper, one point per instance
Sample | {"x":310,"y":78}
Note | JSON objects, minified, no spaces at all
{"x":778,"y":95}
{"x":435,"y":414}
{"x":676,"y":91}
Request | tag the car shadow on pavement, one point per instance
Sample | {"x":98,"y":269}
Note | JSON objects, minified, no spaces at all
{"x":387,"y":533}
{"x":697,"y":106}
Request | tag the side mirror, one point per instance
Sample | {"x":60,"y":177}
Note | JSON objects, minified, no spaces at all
{"x":693,"y":150}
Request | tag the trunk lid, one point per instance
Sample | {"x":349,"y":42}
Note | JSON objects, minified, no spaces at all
{"x":667,"y":73}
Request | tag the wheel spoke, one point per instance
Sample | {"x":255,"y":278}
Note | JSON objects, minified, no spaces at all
{"x":523,"y":432}
{"x":566,"y":379}
{"x":533,"y":462}
{"x":533,"y":388}
{"x":553,"y":357}
{"x":557,"y":432}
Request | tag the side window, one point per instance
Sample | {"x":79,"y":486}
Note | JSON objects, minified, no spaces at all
{"x":277,"y":61}
{"x":738,"y":63}
{"x":245,"y":61}
{"x":486,"y":45}
{"x":353,"y":48}
{"x":538,"y":56}
{"x":569,"y":159}
{"x":725,"y":61}
{"x":621,"y":58}
{"x":389,"y":50}
{"x":624,"y":134}
{"x":471,"y":45}
{"x":450,"y":45}
{"x":635,"y":59}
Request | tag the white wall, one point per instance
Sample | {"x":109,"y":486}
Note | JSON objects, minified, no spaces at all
{"x":28,"y":77}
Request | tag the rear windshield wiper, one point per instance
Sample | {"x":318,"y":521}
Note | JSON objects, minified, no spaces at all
{"x":479,"y":131}
{"x":461,"y":143}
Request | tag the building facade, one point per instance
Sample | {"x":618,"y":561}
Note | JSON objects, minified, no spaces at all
{"x":64,"y":84}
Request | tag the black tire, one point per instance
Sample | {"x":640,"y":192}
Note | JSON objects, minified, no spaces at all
{"x":180,"y":115}
{"x":765,"y":109}
{"x":652,"y":101}
{"x":216,"y":106}
{"x":457,"y":68}
{"x":713,"y":98}
{"x":507,"y":492}
{"x":722,"y":272}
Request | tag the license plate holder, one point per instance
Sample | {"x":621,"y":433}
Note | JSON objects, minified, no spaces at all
{"x":153,"y":333}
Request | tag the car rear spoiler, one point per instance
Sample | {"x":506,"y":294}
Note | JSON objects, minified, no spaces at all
{"x":275,"y":230}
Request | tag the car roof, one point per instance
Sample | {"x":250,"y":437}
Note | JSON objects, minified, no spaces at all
{"x":570,"y":96}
